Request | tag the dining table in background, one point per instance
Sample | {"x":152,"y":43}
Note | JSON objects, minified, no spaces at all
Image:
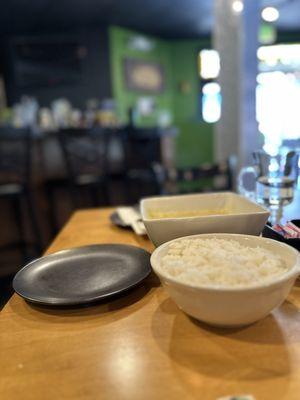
{"x":140,"y":345}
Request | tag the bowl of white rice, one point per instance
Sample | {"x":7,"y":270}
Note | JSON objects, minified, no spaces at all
{"x":226,"y":279}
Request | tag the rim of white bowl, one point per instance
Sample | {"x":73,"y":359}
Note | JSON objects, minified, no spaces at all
{"x":261,"y":210}
{"x":293,"y":272}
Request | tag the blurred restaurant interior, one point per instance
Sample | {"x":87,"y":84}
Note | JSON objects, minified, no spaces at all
{"x":104,"y":102}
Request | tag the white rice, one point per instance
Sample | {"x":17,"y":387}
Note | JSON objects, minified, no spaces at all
{"x":221,"y":263}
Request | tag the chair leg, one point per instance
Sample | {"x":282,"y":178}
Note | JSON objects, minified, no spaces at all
{"x":17,"y":205}
{"x":94,"y":195}
{"x":75,"y":195}
{"x":99,"y":194}
{"x":130,"y":190}
{"x":52,"y":210}
{"x":34,"y":223}
{"x":105,"y":192}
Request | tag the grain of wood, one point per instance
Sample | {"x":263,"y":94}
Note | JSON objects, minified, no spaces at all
{"x":141,"y":346}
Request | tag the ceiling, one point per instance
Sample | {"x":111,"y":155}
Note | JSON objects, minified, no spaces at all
{"x":166,"y":18}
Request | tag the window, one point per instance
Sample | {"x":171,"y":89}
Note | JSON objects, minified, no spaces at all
{"x":209,"y":64}
{"x":211,"y":102}
{"x":209,"y":68}
{"x":278,"y":94}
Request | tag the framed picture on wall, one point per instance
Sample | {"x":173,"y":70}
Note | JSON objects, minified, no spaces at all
{"x":144,"y":76}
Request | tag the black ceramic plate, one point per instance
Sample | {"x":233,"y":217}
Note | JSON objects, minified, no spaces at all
{"x":82,"y":275}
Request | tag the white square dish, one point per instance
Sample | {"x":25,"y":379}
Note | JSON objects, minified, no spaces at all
{"x":243,"y":216}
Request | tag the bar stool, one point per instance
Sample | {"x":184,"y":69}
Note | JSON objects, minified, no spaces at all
{"x":85,"y":157}
{"x":15,"y":186}
{"x":142,"y":150}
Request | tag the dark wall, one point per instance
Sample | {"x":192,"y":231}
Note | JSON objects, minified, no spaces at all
{"x":94,"y":79}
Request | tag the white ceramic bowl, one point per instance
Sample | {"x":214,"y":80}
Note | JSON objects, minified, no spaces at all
{"x":231,"y":306}
{"x":246,"y":217}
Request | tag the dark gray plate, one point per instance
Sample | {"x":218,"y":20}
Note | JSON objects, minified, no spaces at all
{"x":82,"y":274}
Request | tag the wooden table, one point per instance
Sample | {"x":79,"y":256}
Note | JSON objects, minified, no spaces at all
{"x":140,"y":346}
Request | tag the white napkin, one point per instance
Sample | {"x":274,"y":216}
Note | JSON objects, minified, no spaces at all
{"x":131,"y":217}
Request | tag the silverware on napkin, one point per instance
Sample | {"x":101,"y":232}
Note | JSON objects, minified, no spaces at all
{"x":132,"y":217}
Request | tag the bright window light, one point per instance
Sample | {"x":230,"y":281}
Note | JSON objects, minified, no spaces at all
{"x":279,"y":57}
{"x":278,"y":94}
{"x":277,"y":100}
{"x":209,"y":64}
{"x":237,"y":6}
{"x":270,"y":14}
{"x":211,"y":102}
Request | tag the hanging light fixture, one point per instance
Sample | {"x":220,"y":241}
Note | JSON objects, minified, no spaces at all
{"x":237,"y":6}
{"x":270,"y":14}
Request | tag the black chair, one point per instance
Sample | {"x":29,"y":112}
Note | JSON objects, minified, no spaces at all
{"x":15,"y":185}
{"x":205,"y":178}
{"x":142,"y":149}
{"x":86,"y":161}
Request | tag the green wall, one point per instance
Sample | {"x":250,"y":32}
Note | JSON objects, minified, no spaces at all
{"x":194,"y":144}
{"x":119,"y":50}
